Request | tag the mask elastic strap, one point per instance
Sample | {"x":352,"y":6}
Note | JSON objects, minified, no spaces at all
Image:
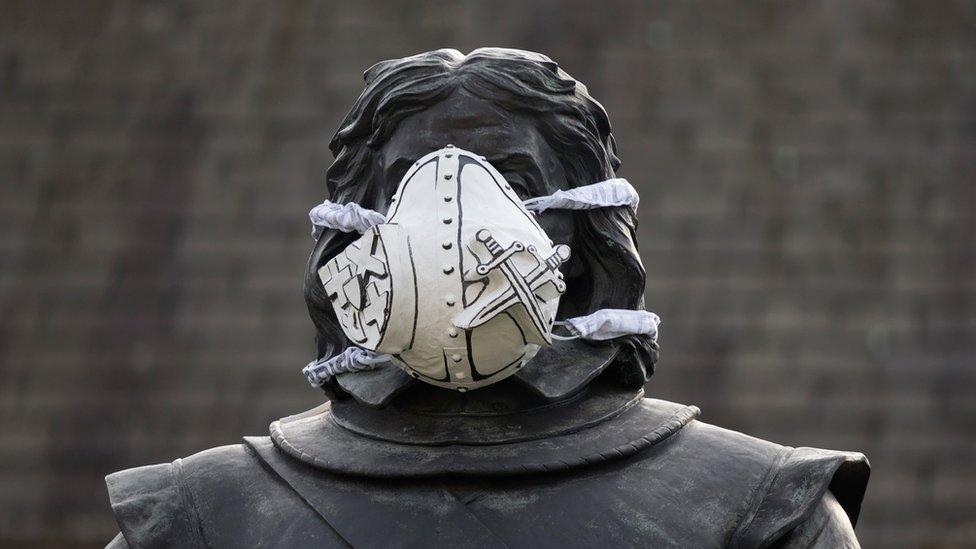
{"x":609,"y":324}
{"x":344,"y":217}
{"x":612,"y":192}
{"x":353,"y":359}
{"x":351,"y":217}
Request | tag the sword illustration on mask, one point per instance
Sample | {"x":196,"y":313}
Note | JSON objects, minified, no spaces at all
{"x":522,"y":289}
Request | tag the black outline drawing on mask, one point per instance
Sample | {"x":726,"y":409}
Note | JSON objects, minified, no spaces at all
{"x":359,"y":287}
{"x":359,"y":284}
{"x":523,"y":289}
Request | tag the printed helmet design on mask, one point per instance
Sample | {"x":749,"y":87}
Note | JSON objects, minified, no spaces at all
{"x":460,"y":285}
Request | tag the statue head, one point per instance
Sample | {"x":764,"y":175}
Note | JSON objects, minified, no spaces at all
{"x":536,"y":125}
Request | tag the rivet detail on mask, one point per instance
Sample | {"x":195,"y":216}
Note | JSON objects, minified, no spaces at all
{"x":459,"y":375}
{"x":457,"y":358}
{"x":448,"y":176}
{"x":448,"y":269}
{"x":448,"y":220}
{"x":452,"y":332}
{"x":448,"y":198}
{"x":450,"y":301}
{"x":447,"y":245}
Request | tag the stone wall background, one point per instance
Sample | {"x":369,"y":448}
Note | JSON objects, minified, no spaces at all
{"x":808,"y":223}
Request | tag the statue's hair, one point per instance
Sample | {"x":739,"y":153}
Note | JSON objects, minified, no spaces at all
{"x":575,"y":126}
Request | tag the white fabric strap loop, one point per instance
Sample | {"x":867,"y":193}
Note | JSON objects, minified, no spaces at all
{"x":612,"y":192}
{"x":344,"y":217}
{"x":353,"y":359}
{"x":611,"y":323}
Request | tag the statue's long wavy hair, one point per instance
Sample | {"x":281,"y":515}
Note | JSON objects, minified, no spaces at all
{"x":608,"y":269}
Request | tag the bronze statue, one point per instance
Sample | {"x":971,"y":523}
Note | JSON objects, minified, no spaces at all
{"x":491,"y":395}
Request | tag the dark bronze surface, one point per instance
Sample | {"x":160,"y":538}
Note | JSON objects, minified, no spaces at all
{"x":567,"y":453}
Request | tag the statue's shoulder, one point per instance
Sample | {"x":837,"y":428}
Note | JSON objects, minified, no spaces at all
{"x":155,"y":504}
{"x":220,"y":497}
{"x":769,"y":488}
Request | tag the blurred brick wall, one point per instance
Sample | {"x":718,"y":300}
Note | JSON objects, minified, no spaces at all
{"x":808,"y":174}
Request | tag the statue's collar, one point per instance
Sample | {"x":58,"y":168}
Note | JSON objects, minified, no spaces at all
{"x":599,"y":424}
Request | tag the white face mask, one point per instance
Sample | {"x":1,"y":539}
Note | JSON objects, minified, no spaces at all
{"x":458,"y":284}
